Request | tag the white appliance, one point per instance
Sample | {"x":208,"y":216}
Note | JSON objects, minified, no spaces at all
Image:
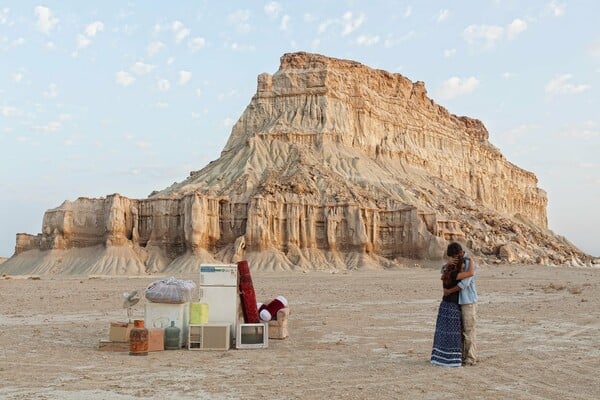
{"x":160,"y":315}
{"x":219,"y":289}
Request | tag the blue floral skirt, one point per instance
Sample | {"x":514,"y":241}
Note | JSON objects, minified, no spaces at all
{"x":447,"y":342}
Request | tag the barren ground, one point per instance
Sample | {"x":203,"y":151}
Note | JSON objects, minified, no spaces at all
{"x":354,"y":335}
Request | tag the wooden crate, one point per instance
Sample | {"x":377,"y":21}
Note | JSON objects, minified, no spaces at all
{"x":109,"y":345}
{"x":119,"y":331}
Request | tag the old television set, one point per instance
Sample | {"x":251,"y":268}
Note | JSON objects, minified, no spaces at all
{"x":252,"y":336}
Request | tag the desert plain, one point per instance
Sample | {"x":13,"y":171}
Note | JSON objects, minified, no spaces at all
{"x":360,"y":334}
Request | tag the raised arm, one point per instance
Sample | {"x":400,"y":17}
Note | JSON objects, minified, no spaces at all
{"x":470,"y":270}
{"x":470,"y":266}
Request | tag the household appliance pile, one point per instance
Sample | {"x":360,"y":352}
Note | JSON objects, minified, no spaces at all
{"x":225,"y":316}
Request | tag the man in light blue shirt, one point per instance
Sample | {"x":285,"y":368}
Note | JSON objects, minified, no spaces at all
{"x":467,"y":298}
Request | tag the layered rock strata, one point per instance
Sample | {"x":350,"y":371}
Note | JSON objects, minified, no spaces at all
{"x":331,"y":165}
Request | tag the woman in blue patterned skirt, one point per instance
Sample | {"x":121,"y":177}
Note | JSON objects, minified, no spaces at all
{"x":447,"y":342}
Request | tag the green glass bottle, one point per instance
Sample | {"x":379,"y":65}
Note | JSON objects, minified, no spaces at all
{"x":172,"y":335}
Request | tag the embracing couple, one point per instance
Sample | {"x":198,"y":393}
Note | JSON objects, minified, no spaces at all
{"x":454,"y":340}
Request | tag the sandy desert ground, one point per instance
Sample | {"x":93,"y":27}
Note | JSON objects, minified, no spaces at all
{"x":353,"y":335}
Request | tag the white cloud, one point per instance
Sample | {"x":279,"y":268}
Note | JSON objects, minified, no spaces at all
{"x":25,"y":139}
{"x":350,"y":23}
{"x":323,"y":26}
{"x":241,"y":20}
{"x":515,"y":135}
{"x":124,"y":78}
{"x":50,"y":46}
{"x":163,"y":85}
{"x":308,"y":18}
{"x":45,"y":19}
{"x":181,"y":32}
{"x":393,"y":41}
{"x":52,"y":91}
{"x":557,"y":9}
{"x":586,"y":131}
{"x":83,"y":41}
{"x":272,"y":9}
{"x":126,"y":29}
{"x":18,"y":42}
{"x":443,"y":15}
{"x":228,"y":122}
{"x":367,"y":40}
{"x":155,"y":47}
{"x":7,"y":111}
{"x":449,"y":53}
{"x":407,"y":12}
{"x":508,"y":75}
{"x":228,"y":95}
{"x":4,"y":16}
{"x":199,"y":92}
{"x":560,"y":85}
{"x":594,"y":49}
{"x":135,"y":141}
{"x":515,"y":28}
{"x":241,"y":47}
{"x":94,"y":28}
{"x":162,"y":104}
{"x":589,"y":165}
{"x":184,"y":77}
{"x":170,"y":60}
{"x":196,"y":43}
{"x":284,"y":25}
{"x":486,"y":34}
{"x":139,"y":68}
{"x":50,"y":127}
{"x":18,"y":77}
{"x":456,"y":86}
{"x":142,"y":145}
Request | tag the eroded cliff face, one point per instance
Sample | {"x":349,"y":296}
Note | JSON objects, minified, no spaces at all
{"x":331,"y":165}
{"x":385,"y":117}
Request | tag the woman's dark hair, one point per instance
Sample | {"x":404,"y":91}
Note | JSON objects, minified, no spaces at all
{"x":454,"y":249}
{"x":451,"y":268}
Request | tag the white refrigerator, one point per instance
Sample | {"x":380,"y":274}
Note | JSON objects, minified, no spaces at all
{"x":219,"y":289}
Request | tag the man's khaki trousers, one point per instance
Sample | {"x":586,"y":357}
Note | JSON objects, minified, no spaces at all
{"x":469,"y":317}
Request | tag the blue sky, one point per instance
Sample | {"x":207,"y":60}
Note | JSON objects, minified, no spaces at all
{"x":129,"y":97}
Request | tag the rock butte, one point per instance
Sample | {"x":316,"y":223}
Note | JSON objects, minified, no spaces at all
{"x":332,"y":165}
